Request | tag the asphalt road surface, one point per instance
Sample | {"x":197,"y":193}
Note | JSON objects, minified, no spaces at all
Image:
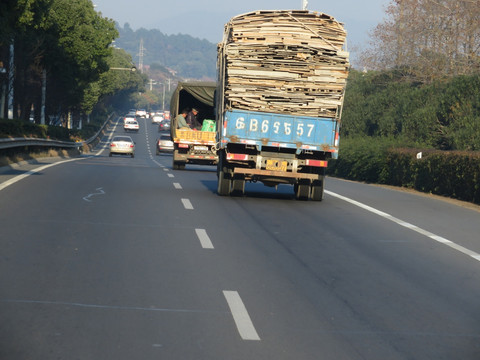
{"x":121,"y":258}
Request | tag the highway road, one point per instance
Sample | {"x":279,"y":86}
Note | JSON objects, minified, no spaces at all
{"x":124,"y":258}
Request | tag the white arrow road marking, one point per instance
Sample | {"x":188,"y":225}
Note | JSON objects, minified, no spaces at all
{"x":99,"y":192}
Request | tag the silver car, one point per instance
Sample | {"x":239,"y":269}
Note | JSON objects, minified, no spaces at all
{"x":123,"y":145}
{"x":164,"y":144}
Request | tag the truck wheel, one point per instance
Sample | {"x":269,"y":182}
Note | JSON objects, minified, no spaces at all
{"x":177,"y":165}
{"x":238,"y":187}
{"x":302,"y":191}
{"x":223,"y":187}
{"x":316,"y":193}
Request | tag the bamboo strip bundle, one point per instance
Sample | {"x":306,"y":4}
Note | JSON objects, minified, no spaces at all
{"x":289,"y":62}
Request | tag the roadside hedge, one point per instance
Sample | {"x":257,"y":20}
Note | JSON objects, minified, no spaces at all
{"x":18,"y":128}
{"x":453,"y":174}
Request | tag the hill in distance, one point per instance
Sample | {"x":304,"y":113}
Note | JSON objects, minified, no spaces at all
{"x":184,"y":56}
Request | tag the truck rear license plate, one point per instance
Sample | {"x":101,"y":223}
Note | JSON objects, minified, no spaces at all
{"x":201,"y":148}
{"x":275,"y":165}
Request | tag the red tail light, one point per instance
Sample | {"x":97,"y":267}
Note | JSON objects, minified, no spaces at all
{"x":317,"y":163}
{"x":231,"y":156}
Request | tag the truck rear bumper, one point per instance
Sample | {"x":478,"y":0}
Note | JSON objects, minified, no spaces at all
{"x":280,"y":174}
{"x":196,"y":158}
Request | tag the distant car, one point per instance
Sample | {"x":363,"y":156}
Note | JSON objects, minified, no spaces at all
{"x":142,"y":113}
{"x":123,"y":145}
{"x":157,"y":118}
{"x":130,"y":125}
{"x":127,"y":117}
{"x":164,"y":125}
{"x":164,"y":144}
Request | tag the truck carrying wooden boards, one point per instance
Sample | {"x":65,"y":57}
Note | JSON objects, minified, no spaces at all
{"x":194,"y":146}
{"x":280,"y":90}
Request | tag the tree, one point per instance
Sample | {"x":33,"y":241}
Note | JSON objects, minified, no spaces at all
{"x":115,"y":87}
{"x":78,"y":46}
{"x":427,"y":39}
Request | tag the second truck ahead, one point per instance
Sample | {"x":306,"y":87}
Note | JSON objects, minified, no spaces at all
{"x":193,"y":146}
{"x":281,"y":83}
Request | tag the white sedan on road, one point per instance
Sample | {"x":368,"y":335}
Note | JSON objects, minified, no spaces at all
{"x":130,"y":125}
{"x":122,"y":145}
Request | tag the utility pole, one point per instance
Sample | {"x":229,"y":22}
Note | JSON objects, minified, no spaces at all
{"x":140,"y":56}
{"x":44,"y":92}
{"x":11,"y":79}
{"x":152,"y":82}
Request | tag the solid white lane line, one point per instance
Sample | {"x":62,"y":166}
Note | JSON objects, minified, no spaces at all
{"x":204,"y":238}
{"x":187,"y":204}
{"x":41,"y":168}
{"x":34,"y":171}
{"x":415,"y":228}
{"x":177,"y":186}
{"x":240,"y":316}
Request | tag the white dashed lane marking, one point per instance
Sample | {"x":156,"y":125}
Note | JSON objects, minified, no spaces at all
{"x":177,"y":186}
{"x":240,"y":315}
{"x":187,"y":204}
{"x":204,"y":238}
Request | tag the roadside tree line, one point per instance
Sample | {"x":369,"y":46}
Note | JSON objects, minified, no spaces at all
{"x":427,"y":40}
{"x":412,"y":117}
{"x":56,"y":56}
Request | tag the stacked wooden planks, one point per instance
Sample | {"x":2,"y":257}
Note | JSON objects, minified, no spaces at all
{"x":285,"y":61}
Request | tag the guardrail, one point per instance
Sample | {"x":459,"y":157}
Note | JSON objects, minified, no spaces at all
{"x":9,"y":143}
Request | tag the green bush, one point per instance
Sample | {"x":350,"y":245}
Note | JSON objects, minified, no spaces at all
{"x":17,"y":128}
{"x":454,"y":174}
{"x":444,"y":115}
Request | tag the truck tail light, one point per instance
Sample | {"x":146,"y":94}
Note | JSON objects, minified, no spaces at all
{"x":316,"y":163}
{"x":183,"y":146}
{"x":241,"y":157}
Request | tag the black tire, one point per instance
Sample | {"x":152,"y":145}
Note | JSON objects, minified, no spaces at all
{"x":238,"y":187}
{"x":133,"y":155}
{"x":302,"y":192}
{"x":224,"y":185}
{"x":110,"y":154}
{"x":316,"y":192}
{"x":177,"y":165}
{"x":224,"y":179}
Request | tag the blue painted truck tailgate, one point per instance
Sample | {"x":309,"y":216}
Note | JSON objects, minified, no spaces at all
{"x":279,"y":130}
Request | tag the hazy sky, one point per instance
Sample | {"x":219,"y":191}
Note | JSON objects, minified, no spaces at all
{"x":205,"y":19}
